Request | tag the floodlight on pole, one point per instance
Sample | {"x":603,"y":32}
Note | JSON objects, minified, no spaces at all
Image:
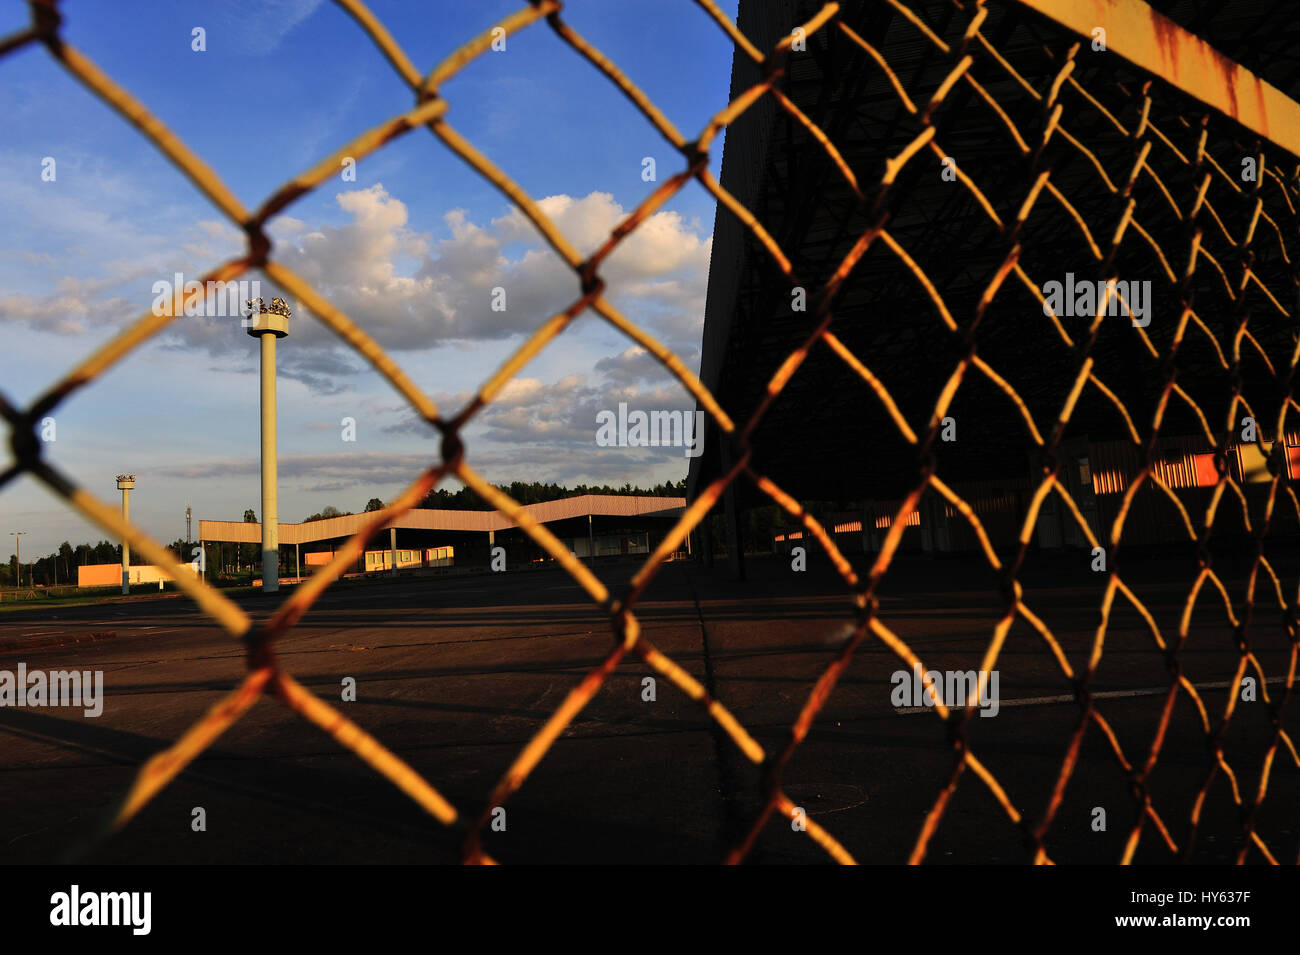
{"x":125,"y":482}
{"x":269,"y":322}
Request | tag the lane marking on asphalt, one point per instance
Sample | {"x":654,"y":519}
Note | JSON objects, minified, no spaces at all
{"x":150,"y":631}
{"x":1101,"y":695}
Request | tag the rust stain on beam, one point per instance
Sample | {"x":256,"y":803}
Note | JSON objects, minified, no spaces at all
{"x":1153,"y":42}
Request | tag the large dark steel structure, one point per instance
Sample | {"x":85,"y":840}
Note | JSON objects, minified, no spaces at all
{"x":826,"y":436}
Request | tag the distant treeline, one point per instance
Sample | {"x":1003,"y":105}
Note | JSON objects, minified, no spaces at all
{"x":532,"y":492}
{"x":60,"y":567}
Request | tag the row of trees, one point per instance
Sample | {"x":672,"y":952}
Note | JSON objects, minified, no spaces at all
{"x":59,"y":567}
{"x":535,"y":492}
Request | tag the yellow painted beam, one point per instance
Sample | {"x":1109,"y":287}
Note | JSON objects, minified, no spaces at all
{"x":1158,"y":45}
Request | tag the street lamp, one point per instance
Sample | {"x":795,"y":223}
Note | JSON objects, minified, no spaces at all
{"x":269,"y":322}
{"x":17,"y":536}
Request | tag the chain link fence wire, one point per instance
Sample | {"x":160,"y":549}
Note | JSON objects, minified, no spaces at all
{"x":1256,"y":271}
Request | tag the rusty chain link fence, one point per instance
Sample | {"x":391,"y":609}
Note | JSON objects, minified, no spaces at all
{"x":1136,"y":170}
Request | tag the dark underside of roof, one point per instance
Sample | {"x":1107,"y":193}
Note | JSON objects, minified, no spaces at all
{"x":826,"y":436}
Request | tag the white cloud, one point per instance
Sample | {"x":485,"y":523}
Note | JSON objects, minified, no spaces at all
{"x":635,"y":364}
{"x":314,"y":472}
{"x":536,"y":428}
{"x":258,"y":26}
{"x":410,"y":291}
{"x":74,"y":307}
{"x":658,"y":276}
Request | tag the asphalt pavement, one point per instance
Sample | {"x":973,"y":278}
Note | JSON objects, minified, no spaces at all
{"x":455,"y":675}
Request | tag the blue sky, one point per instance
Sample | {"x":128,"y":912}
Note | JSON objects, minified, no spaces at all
{"x":410,"y":249}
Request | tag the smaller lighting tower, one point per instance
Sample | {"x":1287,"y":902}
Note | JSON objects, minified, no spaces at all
{"x":125,"y":482}
{"x":18,"y":543}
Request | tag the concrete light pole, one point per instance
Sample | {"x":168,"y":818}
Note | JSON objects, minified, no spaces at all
{"x":125,"y":482}
{"x":18,"y":543}
{"x":269,"y":322}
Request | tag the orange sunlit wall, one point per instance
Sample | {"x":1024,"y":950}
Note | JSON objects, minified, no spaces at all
{"x":1111,"y":469}
{"x":1205,"y":473}
{"x":913,"y":520}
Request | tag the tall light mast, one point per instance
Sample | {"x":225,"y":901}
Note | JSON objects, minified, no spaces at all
{"x":269,"y":322}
